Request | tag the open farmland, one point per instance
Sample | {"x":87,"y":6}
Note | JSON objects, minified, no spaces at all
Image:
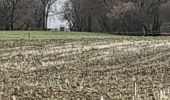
{"x":131,"y":68}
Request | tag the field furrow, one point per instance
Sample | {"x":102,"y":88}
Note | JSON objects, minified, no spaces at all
{"x":85,"y":69}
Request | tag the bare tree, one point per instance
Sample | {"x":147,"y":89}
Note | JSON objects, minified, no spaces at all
{"x":25,"y":14}
{"x":45,"y":9}
{"x":10,"y":11}
{"x":114,"y":15}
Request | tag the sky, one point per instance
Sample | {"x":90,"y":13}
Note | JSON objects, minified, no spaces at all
{"x":55,"y":21}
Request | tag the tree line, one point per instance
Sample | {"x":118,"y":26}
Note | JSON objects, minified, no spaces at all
{"x":87,"y":15}
{"x":24,"y":14}
{"x":114,"y":15}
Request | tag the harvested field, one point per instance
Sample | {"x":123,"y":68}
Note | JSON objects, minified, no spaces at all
{"x":85,"y":69}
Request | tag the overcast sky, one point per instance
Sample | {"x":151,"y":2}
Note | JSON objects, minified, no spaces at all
{"x":55,"y":21}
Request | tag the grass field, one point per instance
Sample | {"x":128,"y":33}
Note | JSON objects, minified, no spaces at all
{"x":50,"y":35}
{"x":70,"y":66}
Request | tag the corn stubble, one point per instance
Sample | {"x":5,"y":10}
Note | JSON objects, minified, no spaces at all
{"x":88,"y":69}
